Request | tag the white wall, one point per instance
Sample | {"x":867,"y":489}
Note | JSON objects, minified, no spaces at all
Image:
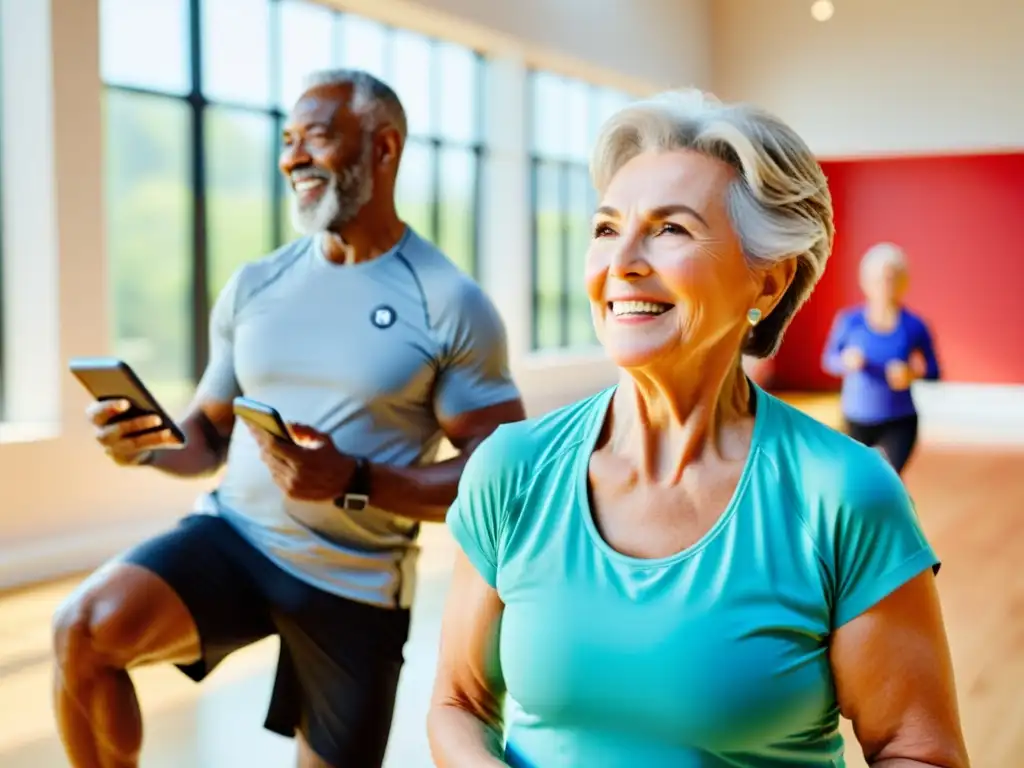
{"x":890,"y":77}
{"x":63,"y":507}
{"x":881,"y":76}
{"x":661,"y":42}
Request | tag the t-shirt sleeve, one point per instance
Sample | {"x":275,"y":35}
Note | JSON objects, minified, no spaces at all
{"x":832,"y":356}
{"x":219,"y":383}
{"x":475,"y":372}
{"x":879,"y":545}
{"x":927,"y":348}
{"x":477,"y":517}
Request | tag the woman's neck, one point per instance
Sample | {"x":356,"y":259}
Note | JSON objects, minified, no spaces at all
{"x":882,"y":315}
{"x":666,"y":422}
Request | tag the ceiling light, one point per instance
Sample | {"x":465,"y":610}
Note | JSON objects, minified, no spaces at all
{"x":822,"y":10}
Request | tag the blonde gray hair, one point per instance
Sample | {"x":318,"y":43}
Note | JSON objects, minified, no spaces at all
{"x":883,"y":254}
{"x":779,"y":204}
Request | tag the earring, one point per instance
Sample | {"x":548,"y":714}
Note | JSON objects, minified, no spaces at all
{"x":753,"y":315}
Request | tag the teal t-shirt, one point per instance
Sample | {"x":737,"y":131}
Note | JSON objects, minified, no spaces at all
{"x":714,"y":657}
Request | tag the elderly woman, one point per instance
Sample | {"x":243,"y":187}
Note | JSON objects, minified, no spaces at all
{"x":879,"y":349}
{"x":683,"y":570}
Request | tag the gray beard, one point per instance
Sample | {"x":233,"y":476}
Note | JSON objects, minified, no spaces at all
{"x":345,"y":196}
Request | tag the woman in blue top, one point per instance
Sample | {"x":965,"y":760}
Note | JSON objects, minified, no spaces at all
{"x":879,"y":349}
{"x":683,"y":571}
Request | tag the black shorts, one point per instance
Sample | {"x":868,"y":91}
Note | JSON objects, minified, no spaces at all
{"x":896,"y":438}
{"x":339,"y":663}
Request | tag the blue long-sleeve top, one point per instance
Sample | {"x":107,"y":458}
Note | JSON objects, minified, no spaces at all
{"x":867,"y":397}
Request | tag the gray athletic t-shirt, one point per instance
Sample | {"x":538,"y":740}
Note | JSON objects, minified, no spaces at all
{"x":371,"y":354}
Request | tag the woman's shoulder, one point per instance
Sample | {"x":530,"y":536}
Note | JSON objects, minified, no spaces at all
{"x":913,"y":320}
{"x":862,"y":523}
{"x":848,"y":498}
{"x":832,"y":469}
{"x":852,"y":314}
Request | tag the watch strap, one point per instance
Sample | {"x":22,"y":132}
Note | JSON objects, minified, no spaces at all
{"x":357,"y":495}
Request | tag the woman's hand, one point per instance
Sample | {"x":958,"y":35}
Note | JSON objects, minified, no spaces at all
{"x":898,"y":375}
{"x":918,"y":364}
{"x":853,"y":359}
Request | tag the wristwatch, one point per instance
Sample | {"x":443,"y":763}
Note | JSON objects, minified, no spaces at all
{"x":357,"y":495}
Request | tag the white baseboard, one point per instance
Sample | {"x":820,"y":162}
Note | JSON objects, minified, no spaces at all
{"x":52,"y":557}
{"x":970,"y":414}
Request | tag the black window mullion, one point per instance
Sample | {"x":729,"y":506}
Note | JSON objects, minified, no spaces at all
{"x":435,"y":189}
{"x":528,"y":104}
{"x":565,"y":247}
{"x":277,"y":190}
{"x":2,"y":269}
{"x":278,"y":187}
{"x":274,"y":53}
{"x":479,"y":120}
{"x":338,"y":25}
{"x":389,"y":52}
{"x":534,"y":260}
{"x":200,"y":260}
{"x":478,"y":193}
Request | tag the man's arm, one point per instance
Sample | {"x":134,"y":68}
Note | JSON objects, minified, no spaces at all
{"x":425,"y":493}
{"x":474,"y":394}
{"x":207,"y":427}
{"x":210,"y":418}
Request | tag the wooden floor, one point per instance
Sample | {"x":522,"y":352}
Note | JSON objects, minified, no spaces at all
{"x":971,"y":504}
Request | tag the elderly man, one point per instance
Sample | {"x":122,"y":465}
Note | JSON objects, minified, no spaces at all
{"x":374,"y":346}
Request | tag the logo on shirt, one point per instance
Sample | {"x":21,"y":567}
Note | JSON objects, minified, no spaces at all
{"x":383,"y":316}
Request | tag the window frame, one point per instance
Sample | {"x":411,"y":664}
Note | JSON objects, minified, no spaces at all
{"x":199,"y":104}
{"x":3,"y":203}
{"x":565,"y":167}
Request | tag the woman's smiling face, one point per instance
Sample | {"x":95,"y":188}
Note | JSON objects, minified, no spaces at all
{"x":666,"y":273}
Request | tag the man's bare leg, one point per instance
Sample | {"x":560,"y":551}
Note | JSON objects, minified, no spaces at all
{"x":121,"y":617}
{"x":307,"y":758}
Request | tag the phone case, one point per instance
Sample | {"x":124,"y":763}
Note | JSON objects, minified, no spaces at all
{"x":107,"y":378}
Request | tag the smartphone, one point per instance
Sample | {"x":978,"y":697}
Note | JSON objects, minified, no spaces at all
{"x":108,"y":378}
{"x":263,"y":417}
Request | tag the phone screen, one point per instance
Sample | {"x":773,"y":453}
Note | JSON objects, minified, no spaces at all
{"x":113,"y":379}
{"x":262,"y":417}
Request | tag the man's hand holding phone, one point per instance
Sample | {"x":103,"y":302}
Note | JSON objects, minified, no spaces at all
{"x":120,"y":439}
{"x":308,"y":469}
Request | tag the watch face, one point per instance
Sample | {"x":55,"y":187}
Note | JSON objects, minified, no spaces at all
{"x":356,"y":501}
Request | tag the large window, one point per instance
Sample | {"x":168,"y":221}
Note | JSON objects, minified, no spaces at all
{"x":565,"y":116}
{"x":196,"y":94}
{"x":3,"y":329}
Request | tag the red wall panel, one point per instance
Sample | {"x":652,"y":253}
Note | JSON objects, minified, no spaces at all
{"x":961,"y":221}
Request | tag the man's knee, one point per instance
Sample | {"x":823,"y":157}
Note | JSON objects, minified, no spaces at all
{"x":120,"y":616}
{"x":86,"y":635}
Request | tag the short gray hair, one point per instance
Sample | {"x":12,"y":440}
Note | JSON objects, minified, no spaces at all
{"x":373,"y":100}
{"x":887,"y":254}
{"x":780,"y":205}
